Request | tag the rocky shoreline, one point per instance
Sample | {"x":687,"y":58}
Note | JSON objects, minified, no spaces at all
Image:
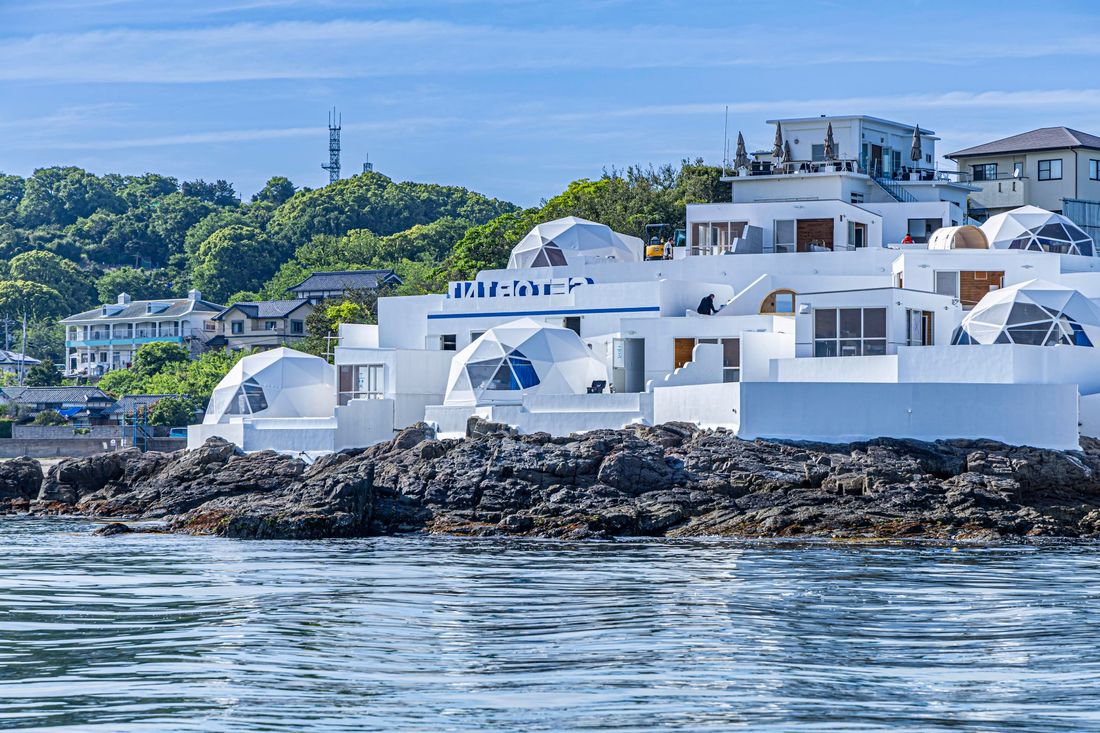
{"x":670,"y":480}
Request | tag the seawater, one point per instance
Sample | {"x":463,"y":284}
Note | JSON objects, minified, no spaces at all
{"x":172,"y":633}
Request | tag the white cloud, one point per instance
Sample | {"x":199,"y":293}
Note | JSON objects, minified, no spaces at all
{"x":354,"y":48}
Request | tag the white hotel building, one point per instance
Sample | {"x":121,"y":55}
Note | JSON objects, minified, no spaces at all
{"x":829,"y":328}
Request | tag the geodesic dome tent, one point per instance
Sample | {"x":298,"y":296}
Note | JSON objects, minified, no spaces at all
{"x":1035,"y":313}
{"x":1032,"y":228}
{"x":573,"y":241}
{"x":521,"y":357}
{"x":276,"y":383}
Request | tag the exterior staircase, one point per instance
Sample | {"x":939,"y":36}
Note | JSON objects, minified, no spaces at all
{"x":896,"y":191}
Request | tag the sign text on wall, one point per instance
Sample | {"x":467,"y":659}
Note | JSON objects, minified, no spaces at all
{"x":514,"y":288}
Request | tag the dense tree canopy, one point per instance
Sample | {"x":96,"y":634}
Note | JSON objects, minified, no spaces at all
{"x":233,"y":258}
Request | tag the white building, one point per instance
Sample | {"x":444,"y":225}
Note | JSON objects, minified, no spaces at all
{"x":831,"y":345}
{"x":107,"y":337}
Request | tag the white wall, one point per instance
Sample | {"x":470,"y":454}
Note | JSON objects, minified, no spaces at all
{"x":365,"y":422}
{"x":707,"y":405}
{"x":1041,"y":415}
{"x":759,"y":349}
{"x":835,"y":369}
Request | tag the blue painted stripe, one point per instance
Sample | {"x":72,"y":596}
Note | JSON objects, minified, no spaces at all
{"x":561,"y":312}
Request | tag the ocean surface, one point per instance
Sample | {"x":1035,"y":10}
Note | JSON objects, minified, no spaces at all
{"x":169,"y":633}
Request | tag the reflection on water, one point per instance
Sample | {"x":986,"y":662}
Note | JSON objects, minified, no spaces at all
{"x":165,"y":633}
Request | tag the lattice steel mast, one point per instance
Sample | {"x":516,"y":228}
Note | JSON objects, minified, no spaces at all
{"x":333,"y":166}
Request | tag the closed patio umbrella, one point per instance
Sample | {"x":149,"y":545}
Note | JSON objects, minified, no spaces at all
{"x":786,"y":153}
{"x":741,"y":157}
{"x":830,"y":144}
{"x":915,"y":152}
{"x":777,"y":146}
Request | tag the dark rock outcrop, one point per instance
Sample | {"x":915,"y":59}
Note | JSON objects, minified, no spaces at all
{"x":665,"y":480}
{"x":20,"y":480}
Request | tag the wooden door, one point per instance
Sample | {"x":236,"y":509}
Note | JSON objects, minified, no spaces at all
{"x":684,"y":347}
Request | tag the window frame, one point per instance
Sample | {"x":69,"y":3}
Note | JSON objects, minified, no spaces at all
{"x":1094,"y":169}
{"x":839,"y":342}
{"x":448,"y":342}
{"x":985,"y":168}
{"x":1050,"y":170}
{"x":236,"y":328}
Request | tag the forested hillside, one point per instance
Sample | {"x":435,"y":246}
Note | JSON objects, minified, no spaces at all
{"x":70,"y":239}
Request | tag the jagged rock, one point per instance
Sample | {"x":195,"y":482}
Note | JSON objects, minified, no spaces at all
{"x":20,"y":478}
{"x":109,"y":530}
{"x":665,"y":480}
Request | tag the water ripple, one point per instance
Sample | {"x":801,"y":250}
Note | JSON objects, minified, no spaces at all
{"x":166,"y":633}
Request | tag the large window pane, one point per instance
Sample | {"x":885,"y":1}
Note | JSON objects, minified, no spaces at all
{"x":850,"y":323}
{"x":850,"y":347}
{"x":874,"y":347}
{"x":825,"y":348}
{"x":731,"y":353}
{"x":947,"y":283}
{"x":874,"y":323}
{"x":825,"y":323}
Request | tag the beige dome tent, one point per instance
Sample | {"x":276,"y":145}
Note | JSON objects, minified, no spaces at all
{"x":964,"y":237}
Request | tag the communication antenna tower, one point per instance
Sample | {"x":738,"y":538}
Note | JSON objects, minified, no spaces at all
{"x":367,"y":165}
{"x":333,"y":166}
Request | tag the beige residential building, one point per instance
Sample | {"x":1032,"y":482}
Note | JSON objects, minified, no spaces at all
{"x":263,"y":324}
{"x":1043,"y":168}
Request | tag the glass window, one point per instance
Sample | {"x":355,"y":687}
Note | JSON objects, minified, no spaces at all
{"x":1094,"y":170}
{"x":947,"y":283}
{"x":985,"y":172}
{"x":236,"y":326}
{"x":298,"y":327}
{"x":1018,"y":169}
{"x":525,"y":376}
{"x":448,"y":342}
{"x":850,"y":332}
{"x":481,"y":373}
{"x":554,"y":255}
{"x":271,"y":325}
{"x":1050,"y":170}
{"x":784,"y":235}
{"x":249,"y":399}
{"x":817,"y":153}
{"x":850,"y":326}
{"x":874,"y":323}
{"x":825,"y":323}
{"x":921,"y":229}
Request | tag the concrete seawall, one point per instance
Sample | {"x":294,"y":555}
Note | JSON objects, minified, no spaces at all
{"x":74,"y":447}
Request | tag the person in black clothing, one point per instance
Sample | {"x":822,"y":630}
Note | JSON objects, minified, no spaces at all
{"x":706,"y":306}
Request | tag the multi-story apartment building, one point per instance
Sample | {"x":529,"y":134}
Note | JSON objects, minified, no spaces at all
{"x":261,"y":324}
{"x":107,"y":337}
{"x":1043,"y":168}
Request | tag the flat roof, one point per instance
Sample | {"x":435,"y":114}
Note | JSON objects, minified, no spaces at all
{"x":924,"y":131}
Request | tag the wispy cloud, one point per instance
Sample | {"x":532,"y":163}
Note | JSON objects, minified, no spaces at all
{"x":356,"y":48}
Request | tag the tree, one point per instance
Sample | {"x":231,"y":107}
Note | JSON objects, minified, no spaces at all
{"x":173,"y":215}
{"x":11,"y":193}
{"x":357,"y":306}
{"x":157,"y":357}
{"x":120,"y":382}
{"x":234,"y":258}
{"x":19,"y":297}
{"x":58,"y":273}
{"x":49,"y":418}
{"x":61,"y":195}
{"x":172,"y":412}
{"x":45,"y":374}
{"x":277,"y":190}
{"x":140,"y":284}
{"x":219,"y":193}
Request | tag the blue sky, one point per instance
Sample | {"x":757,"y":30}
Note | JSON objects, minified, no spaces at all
{"x":514,"y":99}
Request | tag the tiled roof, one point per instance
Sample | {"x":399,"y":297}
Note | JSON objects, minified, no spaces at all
{"x":14,"y":357}
{"x":139,"y":309}
{"x":52,"y":395}
{"x":265,"y":308}
{"x":345,"y":280}
{"x":127,"y":403}
{"x":1045,"y":138}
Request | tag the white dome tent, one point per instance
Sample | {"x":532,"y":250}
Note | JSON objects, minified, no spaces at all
{"x":280,"y":383}
{"x":573,"y":241}
{"x":518,"y":358}
{"x":1035,"y":313}
{"x":1032,"y":228}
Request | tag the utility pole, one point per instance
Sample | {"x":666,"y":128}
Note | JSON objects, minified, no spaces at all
{"x":333,"y":166}
{"x":23,"y":354}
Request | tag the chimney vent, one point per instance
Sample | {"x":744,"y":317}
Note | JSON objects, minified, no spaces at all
{"x":123,"y":299}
